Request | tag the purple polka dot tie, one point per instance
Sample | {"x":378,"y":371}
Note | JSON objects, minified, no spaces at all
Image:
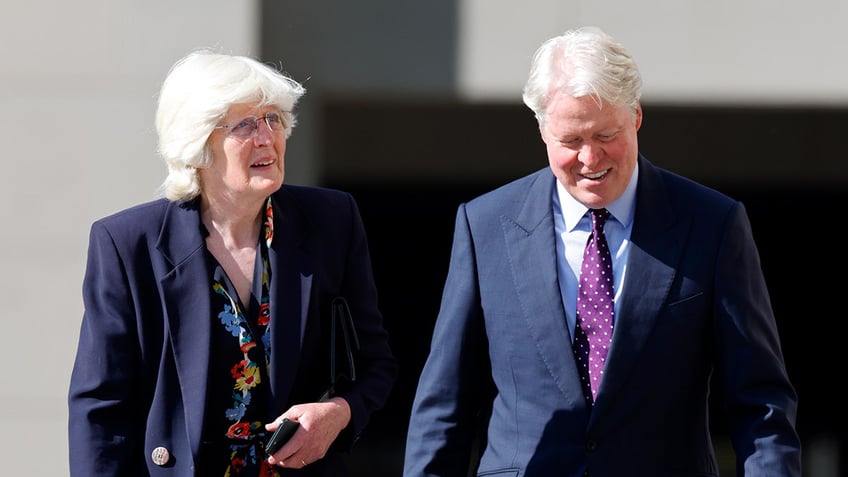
{"x":594,"y":308}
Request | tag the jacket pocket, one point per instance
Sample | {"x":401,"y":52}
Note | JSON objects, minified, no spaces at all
{"x":499,"y":473}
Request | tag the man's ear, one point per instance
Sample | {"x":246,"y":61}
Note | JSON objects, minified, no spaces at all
{"x":638,"y":113}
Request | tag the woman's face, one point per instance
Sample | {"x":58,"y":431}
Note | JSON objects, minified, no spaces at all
{"x":247,"y":154}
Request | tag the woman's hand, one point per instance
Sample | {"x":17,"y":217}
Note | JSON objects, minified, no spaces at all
{"x":320,"y":424}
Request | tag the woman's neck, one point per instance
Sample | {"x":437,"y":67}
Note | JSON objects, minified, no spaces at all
{"x":237,"y":224}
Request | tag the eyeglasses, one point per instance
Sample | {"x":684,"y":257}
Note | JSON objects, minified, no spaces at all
{"x":247,"y":127}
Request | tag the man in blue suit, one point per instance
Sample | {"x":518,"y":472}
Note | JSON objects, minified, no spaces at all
{"x":501,"y":391}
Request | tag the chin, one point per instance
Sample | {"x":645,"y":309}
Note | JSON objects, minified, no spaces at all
{"x":267,"y":186}
{"x":592,"y":200}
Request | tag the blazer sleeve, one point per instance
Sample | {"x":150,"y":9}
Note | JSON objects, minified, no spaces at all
{"x":376,"y":366}
{"x":103,"y":399}
{"x":450,"y":394}
{"x":759,"y":398}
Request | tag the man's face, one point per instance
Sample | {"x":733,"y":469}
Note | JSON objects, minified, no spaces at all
{"x":592,"y":151}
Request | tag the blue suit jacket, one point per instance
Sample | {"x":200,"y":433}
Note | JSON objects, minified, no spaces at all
{"x":140,"y":377}
{"x":694,"y":309}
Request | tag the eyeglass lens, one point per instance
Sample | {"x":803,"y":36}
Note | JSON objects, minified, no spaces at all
{"x":248,"y":126}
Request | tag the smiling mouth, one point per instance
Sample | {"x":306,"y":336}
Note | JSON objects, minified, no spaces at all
{"x":262,"y":164}
{"x":596,"y":175}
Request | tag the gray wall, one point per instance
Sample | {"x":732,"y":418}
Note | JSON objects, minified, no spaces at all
{"x":80,"y":79}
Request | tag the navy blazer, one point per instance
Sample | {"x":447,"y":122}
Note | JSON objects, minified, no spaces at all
{"x":140,"y":377}
{"x":694,"y":310}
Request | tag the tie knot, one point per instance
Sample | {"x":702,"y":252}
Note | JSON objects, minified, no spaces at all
{"x":599,"y":217}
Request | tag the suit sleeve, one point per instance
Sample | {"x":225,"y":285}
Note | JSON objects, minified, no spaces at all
{"x":760,"y":400}
{"x":103,"y":415}
{"x":450,"y":397}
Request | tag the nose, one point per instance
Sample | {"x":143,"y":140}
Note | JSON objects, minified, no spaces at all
{"x":589,"y":153}
{"x":263,"y":133}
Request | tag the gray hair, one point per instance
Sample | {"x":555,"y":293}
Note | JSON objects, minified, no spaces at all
{"x":582,"y":62}
{"x":196,"y":95}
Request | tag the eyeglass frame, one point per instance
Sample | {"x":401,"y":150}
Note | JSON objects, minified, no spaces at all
{"x":255,"y":126}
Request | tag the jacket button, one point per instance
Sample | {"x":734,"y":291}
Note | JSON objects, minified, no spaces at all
{"x":591,"y":445}
{"x":160,"y":456}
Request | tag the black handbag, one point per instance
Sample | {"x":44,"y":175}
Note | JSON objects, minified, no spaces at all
{"x":341,"y":322}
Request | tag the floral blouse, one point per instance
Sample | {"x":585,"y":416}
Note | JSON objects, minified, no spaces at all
{"x":237,"y":403}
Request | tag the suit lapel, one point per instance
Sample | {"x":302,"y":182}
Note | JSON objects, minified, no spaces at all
{"x":657,"y":241}
{"x":188,"y":307}
{"x":291,"y":286}
{"x":530,"y":243}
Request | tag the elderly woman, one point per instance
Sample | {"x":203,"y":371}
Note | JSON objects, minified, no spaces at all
{"x":208,"y":311}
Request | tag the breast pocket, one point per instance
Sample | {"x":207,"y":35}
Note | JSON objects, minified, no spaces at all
{"x":499,"y":473}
